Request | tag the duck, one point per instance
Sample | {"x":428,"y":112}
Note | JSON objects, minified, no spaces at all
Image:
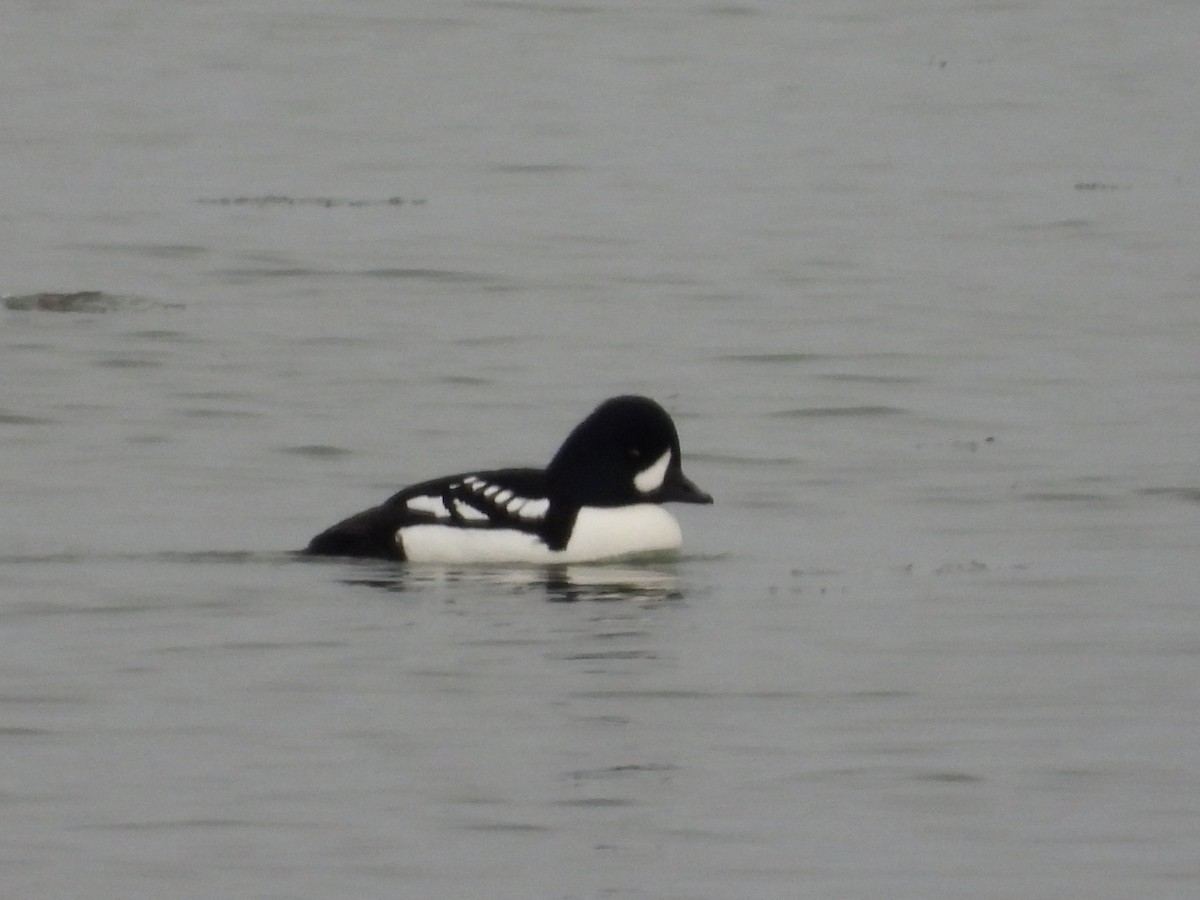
{"x":600,"y":498}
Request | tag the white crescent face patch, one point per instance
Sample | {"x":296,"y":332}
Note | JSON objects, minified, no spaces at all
{"x":650,"y":479}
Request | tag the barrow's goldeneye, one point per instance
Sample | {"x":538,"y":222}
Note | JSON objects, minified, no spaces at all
{"x":598,"y":499}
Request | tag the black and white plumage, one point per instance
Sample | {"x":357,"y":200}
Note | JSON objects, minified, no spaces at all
{"x":600,"y":498}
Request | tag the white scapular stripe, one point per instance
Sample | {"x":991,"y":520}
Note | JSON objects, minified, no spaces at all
{"x":428,"y":504}
{"x":535,"y":509}
{"x":523,"y":507}
{"x":650,"y":479}
{"x":467,"y":511}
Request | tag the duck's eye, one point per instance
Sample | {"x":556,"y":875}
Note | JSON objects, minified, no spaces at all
{"x":635,"y":453}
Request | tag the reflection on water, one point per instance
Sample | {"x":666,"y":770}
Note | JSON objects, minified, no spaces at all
{"x":559,"y":584}
{"x":562,"y":584}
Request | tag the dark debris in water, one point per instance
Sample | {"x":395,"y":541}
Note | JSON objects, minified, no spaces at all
{"x":14,"y":418}
{"x":838,"y":411}
{"x":1187,"y":494}
{"x":949,"y":777}
{"x":973,"y":566}
{"x":320,"y":451}
{"x":265,"y":200}
{"x":83,"y":302}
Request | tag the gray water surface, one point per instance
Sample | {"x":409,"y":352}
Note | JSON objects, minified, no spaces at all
{"x":919,"y":284}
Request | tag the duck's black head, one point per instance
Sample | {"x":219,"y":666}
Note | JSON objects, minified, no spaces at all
{"x":626,"y":451}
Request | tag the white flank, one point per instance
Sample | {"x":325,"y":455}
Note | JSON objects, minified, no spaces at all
{"x":650,"y":479}
{"x":645,"y":528}
{"x":600,"y":534}
{"x":428,"y":504}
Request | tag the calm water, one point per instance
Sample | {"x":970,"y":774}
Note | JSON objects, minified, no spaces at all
{"x":919,"y":283}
